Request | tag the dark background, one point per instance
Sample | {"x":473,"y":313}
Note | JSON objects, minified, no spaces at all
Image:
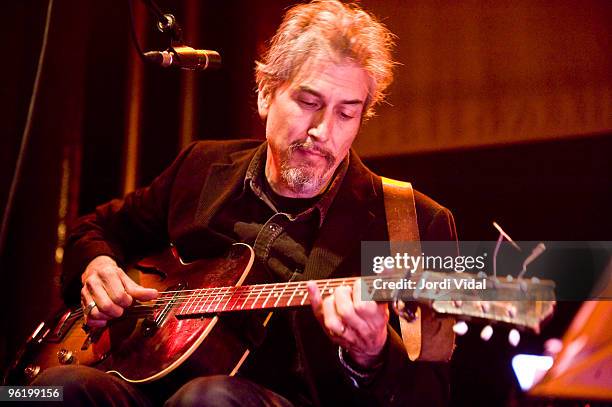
{"x":556,"y":189}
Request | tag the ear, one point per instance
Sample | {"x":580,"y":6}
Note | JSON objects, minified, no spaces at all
{"x":263,"y":99}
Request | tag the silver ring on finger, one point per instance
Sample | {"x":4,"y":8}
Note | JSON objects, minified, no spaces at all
{"x":87,"y":310}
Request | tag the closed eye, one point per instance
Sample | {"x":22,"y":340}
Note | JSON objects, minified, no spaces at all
{"x":345,"y":116}
{"x":308,"y":104}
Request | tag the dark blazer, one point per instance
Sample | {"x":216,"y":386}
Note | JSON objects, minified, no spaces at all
{"x":177,"y":207}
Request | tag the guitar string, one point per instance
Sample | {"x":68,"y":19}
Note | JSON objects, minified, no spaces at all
{"x":212,"y":295}
{"x":206,"y":297}
{"x":237,"y":292}
{"x":241,"y":291}
{"x":146,"y":310}
{"x":234,"y":292}
{"x":149,"y":311}
{"x":231,"y":304}
{"x":293,"y":283}
{"x":143,"y":310}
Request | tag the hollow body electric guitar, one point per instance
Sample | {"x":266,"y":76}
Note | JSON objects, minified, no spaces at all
{"x":187,"y":320}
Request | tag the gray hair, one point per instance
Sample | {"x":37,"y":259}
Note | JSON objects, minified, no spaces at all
{"x":333,"y":30}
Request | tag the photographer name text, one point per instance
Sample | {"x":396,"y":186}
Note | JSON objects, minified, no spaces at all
{"x":421,"y":284}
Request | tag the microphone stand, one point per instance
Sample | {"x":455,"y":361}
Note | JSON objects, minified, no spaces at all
{"x":166,"y":23}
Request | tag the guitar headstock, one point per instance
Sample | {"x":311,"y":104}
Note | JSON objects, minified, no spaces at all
{"x":524,"y":303}
{"x":523,"y":314}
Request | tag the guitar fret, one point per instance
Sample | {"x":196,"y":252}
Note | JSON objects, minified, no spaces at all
{"x":246,"y":299}
{"x":280,"y":295}
{"x":207,"y":299}
{"x":304,"y":298}
{"x":293,"y":295}
{"x":186,"y":305}
{"x":268,"y":297}
{"x":231,"y":292}
{"x":221,"y":299}
{"x":213,"y":299}
{"x":325,"y":287}
{"x":198,"y":294}
{"x":257,"y":298}
{"x":181,"y":311}
{"x":236,"y":293}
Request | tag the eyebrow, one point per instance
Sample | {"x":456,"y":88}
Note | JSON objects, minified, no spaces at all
{"x":320,"y":96}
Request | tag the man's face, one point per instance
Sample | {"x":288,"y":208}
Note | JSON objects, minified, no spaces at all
{"x":311,"y":124}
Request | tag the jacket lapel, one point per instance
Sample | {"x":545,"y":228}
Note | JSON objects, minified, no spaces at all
{"x":222,"y":181}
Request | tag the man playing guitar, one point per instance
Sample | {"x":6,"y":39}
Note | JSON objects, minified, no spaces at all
{"x":304,"y":201}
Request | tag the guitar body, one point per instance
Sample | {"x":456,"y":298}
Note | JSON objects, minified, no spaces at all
{"x":142,"y":349}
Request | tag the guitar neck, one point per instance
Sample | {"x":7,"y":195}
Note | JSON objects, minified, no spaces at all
{"x":515,"y":302}
{"x":254,"y":297}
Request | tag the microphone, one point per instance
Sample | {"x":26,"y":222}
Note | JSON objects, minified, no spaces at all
{"x":185,"y":58}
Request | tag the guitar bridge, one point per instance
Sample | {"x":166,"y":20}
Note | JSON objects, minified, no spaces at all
{"x":151,"y":324}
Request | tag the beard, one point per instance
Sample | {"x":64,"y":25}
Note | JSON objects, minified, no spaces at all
{"x":304,"y":177}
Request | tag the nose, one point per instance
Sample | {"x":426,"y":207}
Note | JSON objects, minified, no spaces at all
{"x":322,"y":125}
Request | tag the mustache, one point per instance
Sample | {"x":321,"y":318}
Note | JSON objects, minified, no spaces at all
{"x":306,"y":146}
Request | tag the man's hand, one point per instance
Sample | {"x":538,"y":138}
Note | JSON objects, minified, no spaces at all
{"x":360,"y":327}
{"x":111,"y":289}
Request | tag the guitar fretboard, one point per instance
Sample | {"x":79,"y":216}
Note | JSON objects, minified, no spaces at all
{"x":252,"y":297}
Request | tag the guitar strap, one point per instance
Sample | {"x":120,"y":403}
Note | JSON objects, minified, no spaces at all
{"x":428,"y":337}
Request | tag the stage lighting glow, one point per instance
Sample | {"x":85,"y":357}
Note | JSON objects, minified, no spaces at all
{"x":529,"y":369}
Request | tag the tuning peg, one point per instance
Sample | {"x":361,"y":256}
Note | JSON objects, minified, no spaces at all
{"x":511,"y":311}
{"x":553,"y":346}
{"x":486,"y":333}
{"x":514,"y":337}
{"x":460,"y":328}
{"x":485,"y":307}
